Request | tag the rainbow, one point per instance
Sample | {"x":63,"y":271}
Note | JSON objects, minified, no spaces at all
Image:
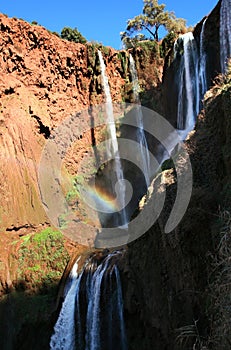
{"x":99,"y":199}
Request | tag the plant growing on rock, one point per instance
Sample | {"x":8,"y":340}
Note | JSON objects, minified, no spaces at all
{"x":41,"y":258}
{"x":74,"y":35}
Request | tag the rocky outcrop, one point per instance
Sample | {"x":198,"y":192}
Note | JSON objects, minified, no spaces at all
{"x":43,"y":80}
{"x":168,"y":277}
{"x":211,"y":42}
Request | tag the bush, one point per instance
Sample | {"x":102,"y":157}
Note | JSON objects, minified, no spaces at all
{"x":167,"y":43}
{"x":42,"y":258}
{"x":149,"y":46}
{"x":74,"y":35}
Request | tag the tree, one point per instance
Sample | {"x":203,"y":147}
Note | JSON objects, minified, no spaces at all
{"x":74,"y":35}
{"x":153,"y":17}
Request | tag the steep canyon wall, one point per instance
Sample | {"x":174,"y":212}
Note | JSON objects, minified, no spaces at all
{"x":43,"y":81}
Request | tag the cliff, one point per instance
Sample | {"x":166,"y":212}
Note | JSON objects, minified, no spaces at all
{"x":211,"y":45}
{"x":176,"y":285}
{"x":44,"y":80}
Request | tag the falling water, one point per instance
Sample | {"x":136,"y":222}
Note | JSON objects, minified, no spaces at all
{"x":188,"y":83}
{"x":225,"y":33}
{"x":202,"y":63}
{"x":91,"y":317}
{"x":64,"y":330}
{"x":112,"y":149}
{"x":144,"y":152}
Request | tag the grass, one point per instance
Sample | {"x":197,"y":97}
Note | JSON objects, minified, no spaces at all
{"x":41,"y":259}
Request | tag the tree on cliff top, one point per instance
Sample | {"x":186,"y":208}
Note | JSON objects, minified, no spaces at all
{"x":152,"y":18}
{"x":74,"y":35}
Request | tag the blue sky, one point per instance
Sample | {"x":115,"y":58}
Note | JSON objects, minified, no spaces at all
{"x":100,"y":20}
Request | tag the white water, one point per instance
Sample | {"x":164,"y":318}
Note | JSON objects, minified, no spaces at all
{"x":120,"y":309}
{"x":188,"y":84}
{"x":225,"y":33}
{"x":93,"y":312}
{"x":64,"y":330}
{"x":112,"y":149}
{"x":144,"y":152}
{"x":98,"y":328}
{"x":202,"y":63}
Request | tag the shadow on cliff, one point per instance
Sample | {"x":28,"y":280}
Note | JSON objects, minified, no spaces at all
{"x":28,"y":318}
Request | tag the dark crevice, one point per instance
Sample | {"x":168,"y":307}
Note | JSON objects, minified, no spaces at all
{"x":9,"y":91}
{"x":43,"y":129}
{"x":17,"y":228}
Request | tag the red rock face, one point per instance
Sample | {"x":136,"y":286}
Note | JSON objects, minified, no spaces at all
{"x":43,"y":80}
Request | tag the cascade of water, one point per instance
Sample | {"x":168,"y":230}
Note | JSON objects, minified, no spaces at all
{"x":112,"y":149}
{"x":188,"y":83}
{"x":64,"y":330}
{"x":225,"y":33}
{"x":93,"y":312}
{"x":144,"y":152}
{"x":202,"y":63}
{"x":120,"y":308}
{"x":91,"y":317}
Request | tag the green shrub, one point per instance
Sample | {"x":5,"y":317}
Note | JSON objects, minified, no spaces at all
{"x":167,"y":43}
{"x":123,"y":58}
{"x":42,"y":258}
{"x":74,"y":35}
{"x":149,"y":46}
{"x":168,"y":164}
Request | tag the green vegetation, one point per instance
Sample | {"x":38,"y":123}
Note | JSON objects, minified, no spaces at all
{"x":167,"y":43}
{"x":124,"y":62}
{"x":74,"y":35}
{"x":54,"y":33}
{"x":41,"y":259}
{"x":152,"y":18}
{"x":93,"y":62}
{"x":167,"y":164}
{"x":74,"y":193}
{"x":38,"y":261}
{"x":149,"y":47}
{"x":91,"y":55}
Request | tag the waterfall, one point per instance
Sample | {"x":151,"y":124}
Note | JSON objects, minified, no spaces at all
{"x":188,"y":82}
{"x":202,"y":63}
{"x":225,"y":33}
{"x":64,"y":330}
{"x":91,"y":317}
{"x":144,"y":152}
{"x":112,"y":149}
